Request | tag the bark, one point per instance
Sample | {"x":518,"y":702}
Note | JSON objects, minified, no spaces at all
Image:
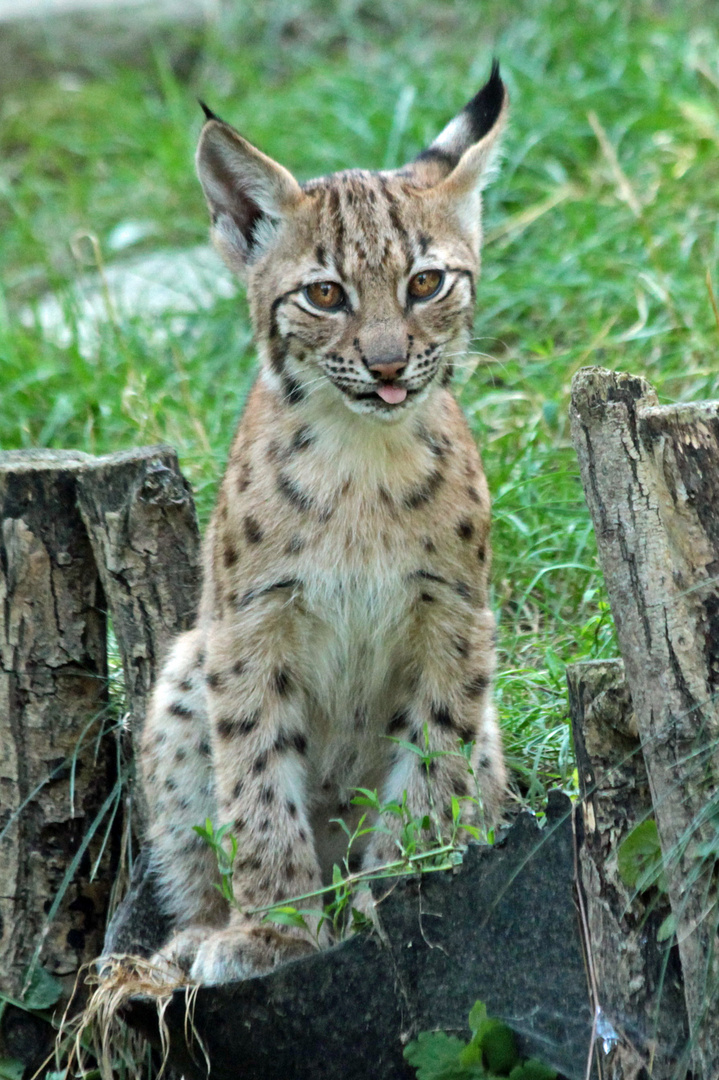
{"x":639,"y":985}
{"x":79,"y":536}
{"x":651,"y":478}
{"x":140,"y":516}
{"x":55,"y":770}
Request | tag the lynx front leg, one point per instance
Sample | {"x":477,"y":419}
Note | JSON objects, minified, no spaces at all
{"x":450,"y":701}
{"x":260,"y":743}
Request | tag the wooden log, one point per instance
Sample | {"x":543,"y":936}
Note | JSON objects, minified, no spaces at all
{"x":638,"y":980}
{"x":79,"y":535}
{"x":651,"y":479}
{"x":140,"y":517}
{"x":55,"y":770}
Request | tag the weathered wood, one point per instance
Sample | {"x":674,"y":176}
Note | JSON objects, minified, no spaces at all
{"x":55,"y":770}
{"x":79,"y":536}
{"x":140,"y":516}
{"x":638,"y":979}
{"x":651,"y":478}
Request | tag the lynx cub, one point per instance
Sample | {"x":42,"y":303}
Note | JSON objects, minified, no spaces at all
{"x":346,"y":563}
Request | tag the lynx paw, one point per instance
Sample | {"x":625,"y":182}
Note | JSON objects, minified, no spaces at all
{"x":175,"y":959}
{"x":239,"y":952}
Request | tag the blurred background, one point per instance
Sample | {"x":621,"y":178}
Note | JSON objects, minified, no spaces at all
{"x":120,"y":327}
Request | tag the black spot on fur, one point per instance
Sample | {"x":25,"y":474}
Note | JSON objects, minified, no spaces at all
{"x":281,"y":681}
{"x":466,"y":733}
{"x":462,"y":589}
{"x":428,"y":545}
{"x":441,"y":716}
{"x":476,"y":686}
{"x":292,"y":809}
{"x":239,"y":667}
{"x":237,"y":789}
{"x":252,"y":530}
{"x":171,"y":784}
{"x":204,"y":748}
{"x":481,"y":553}
{"x":213,"y":680}
{"x":293,"y":494}
{"x":293,"y":392}
{"x":180,"y":754}
{"x":186,"y":686}
{"x":473,"y":494}
{"x":398,"y":722}
{"x":427,"y":597}
{"x":295,"y":545}
{"x":248,"y":723}
{"x":267,"y":795}
{"x":260,"y":764}
{"x":229,"y":555}
{"x":465,"y":530}
{"x":462,"y":646}
{"x":301,"y":439}
{"x":181,"y":711}
{"x":424,"y":492}
{"x":244,"y":477}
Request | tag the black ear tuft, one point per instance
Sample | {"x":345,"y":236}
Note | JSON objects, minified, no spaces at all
{"x":482,"y":111}
{"x":209,"y":115}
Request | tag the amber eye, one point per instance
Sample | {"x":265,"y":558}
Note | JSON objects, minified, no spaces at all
{"x":425,"y":284}
{"x":326,"y":295}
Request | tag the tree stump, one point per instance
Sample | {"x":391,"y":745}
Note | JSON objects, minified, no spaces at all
{"x":651,"y":478}
{"x":78,"y":535}
{"x":638,"y":979}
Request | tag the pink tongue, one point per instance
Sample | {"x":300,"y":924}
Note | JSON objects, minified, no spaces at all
{"x":392,"y":394}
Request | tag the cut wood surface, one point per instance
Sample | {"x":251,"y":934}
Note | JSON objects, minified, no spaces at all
{"x":638,"y":978}
{"x":651,"y":478}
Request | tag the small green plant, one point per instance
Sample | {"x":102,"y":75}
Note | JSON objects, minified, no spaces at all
{"x":225,"y":855}
{"x":421,"y":847}
{"x":491,"y":1053}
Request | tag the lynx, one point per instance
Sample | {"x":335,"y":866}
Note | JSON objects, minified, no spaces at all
{"x":344,"y":596}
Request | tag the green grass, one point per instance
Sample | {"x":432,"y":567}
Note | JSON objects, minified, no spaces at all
{"x":600,"y":230}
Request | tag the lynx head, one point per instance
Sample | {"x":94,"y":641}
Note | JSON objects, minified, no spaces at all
{"x":361,"y":284}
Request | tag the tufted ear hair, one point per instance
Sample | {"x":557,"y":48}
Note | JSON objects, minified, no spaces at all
{"x":248,"y":194}
{"x":470,"y":141}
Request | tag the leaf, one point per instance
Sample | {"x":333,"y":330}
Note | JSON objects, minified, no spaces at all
{"x":532,"y":1070}
{"x":43,"y":990}
{"x":639,"y":858}
{"x":477,"y":1017}
{"x":287,"y":916}
{"x":11,"y":1069}
{"x":499,"y":1048}
{"x":435,"y":1055}
{"x":668,"y":928}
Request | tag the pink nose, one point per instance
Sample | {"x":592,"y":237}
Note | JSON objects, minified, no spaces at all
{"x":388,"y":369}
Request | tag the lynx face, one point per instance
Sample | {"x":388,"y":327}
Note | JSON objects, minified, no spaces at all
{"x":361,"y":285}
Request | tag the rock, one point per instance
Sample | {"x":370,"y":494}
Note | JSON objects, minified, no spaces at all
{"x":41,"y":37}
{"x":502,"y":927}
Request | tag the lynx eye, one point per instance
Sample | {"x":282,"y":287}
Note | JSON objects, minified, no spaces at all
{"x":326,"y":295}
{"x":425,"y":284}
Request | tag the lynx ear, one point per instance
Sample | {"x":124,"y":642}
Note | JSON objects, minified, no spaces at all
{"x":470,"y":142}
{"x":247,"y":192}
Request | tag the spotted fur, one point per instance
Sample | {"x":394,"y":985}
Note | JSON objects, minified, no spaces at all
{"x":346,"y":563}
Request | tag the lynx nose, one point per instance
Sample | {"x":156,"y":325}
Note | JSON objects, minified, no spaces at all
{"x":389,"y":368}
